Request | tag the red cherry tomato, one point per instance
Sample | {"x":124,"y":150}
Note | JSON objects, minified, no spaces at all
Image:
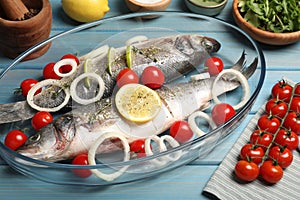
{"x":14,"y":139}
{"x":126,"y":76}
{"x":287,"y":138}
{"x":282,"y":155}
{"x":81,"y":159}
{"x":271,"y":172}
{"x":181,"y":131}
{"x":261,"y":138}
{"x":68,"y":68}
{"x":246,"y":171}
{"x":48,"y":72}
{"x":27,"y":84}
{"x":282,"y":90}
{"x":252,"y":153}
{"x":292,"y":121}
{"x":297,"y":90}
{"x":214,"y":65}
{"x":41,"y":119}
{"x":138,"y":147}
{"x":268,"y":123}
{"x":295,"y":104}
{"x":153,"y":77}
{"x":277,"y":108}
{"x":222,"y":112}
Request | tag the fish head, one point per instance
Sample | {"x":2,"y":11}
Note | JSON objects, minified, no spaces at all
{"x":49,"y":143}
{"x":210,"y":45}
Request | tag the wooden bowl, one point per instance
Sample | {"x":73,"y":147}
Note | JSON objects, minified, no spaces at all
{"x":18,"y":36}
{"x":262,"y":36}
{"x":140,"y":6}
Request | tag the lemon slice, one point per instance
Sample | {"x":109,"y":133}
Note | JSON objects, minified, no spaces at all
{"x":129,"y":56}
{"x":137,"y":102}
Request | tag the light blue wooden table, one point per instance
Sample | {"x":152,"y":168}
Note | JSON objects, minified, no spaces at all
{"x":186,"y":182}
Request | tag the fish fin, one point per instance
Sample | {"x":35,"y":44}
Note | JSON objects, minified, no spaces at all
{"x":16,"y":111}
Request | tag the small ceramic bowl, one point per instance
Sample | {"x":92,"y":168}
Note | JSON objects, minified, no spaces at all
{"x":206,"y":7}
{"x":262,"y":36}
{"x":147,"y":5}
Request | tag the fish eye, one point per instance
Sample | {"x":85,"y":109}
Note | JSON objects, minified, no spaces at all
{"x":34,"y":138}
{"x":207,"y":44}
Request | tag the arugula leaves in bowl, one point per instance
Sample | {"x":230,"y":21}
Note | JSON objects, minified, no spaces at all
{"x":278,"y":16}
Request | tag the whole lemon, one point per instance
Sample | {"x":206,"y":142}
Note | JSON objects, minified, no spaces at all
{"x":85,"y":10}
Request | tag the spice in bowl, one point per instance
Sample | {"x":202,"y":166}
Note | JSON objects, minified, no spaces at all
{"x":206,"y":7}
{"x":147,"y":5}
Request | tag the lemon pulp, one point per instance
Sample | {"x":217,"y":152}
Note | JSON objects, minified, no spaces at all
{"x":137,"y":102}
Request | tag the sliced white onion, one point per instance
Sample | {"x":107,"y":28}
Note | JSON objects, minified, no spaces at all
{"x":201,"y":76}
{"x":43,"y":83}
{"x":95,"y":53}
{"x":75,"y":82}
{"x":95,"y":146}
{"x":173,"y":143}
{"x":161,"y":145}
{"x":194,"y":126}
{"x":136,"y":39}
{"x":67,"y":61}
{"x":243,"y":81}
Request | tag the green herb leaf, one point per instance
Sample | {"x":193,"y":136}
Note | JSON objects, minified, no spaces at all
{"x":272,"y":15}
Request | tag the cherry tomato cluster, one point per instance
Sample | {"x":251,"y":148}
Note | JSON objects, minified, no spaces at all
{"x":270,"y":147}
{"x":151,"y":76}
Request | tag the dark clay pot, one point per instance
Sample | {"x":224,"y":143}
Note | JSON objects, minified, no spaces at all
{"x":18,"y":36}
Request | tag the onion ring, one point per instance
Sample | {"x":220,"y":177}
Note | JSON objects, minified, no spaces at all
{"x":173,"y":143}
{"x":67,"y":61}
{"x":74,"y":83}
{"x":136,"y":39}
{"x":32,"y":91}
{"x":92,"y":153}
{"x":161,"y":145}
{"x":194,"y":126}
{"x":101,"y":51}
{"x":243,"y":81}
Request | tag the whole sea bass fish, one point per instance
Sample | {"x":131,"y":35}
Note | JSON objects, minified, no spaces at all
{"x":174,"y":55}
{"x":75,"y":132}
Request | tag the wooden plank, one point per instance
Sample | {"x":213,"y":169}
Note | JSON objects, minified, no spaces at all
{"x":184,"y":183}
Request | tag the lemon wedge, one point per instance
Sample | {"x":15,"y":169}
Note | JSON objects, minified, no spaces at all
{"x":138,"y":103}
{"x":86,"y":69}
{"x":111,"y":55}
{"x":129,"y":56}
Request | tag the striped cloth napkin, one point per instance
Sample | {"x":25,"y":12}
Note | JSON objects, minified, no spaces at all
{"x":224,"y":185}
